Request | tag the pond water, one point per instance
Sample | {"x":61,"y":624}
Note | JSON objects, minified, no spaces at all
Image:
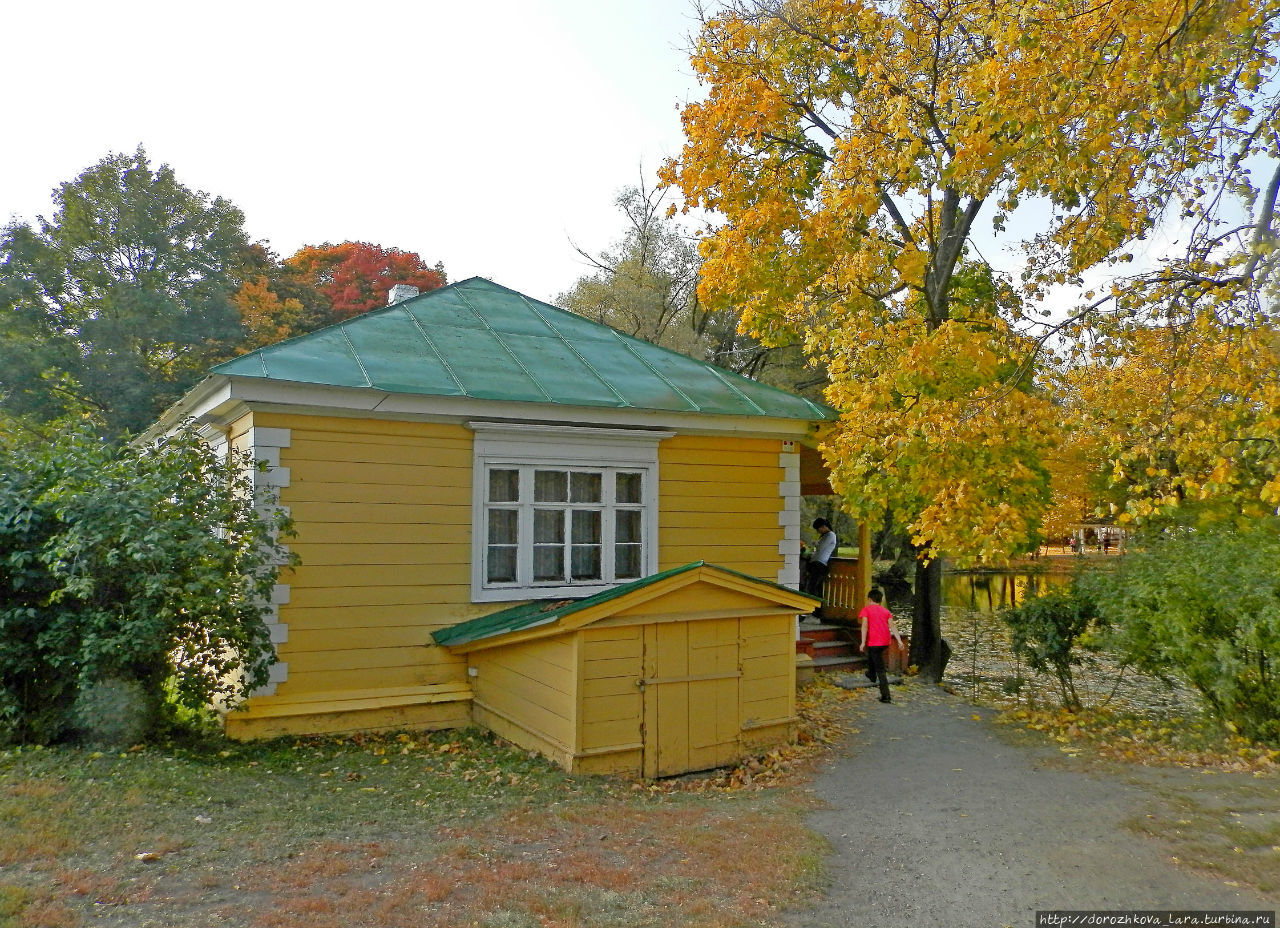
{"x":984,"y":668}
{"x":991,"y":591}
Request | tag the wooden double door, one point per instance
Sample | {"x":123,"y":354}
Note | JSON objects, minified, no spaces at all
{"x":692,"y":700}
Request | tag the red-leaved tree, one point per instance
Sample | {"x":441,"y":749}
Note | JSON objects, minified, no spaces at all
{"x":355,"y":276}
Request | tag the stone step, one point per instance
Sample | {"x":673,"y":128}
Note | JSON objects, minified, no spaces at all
{"x":834,"y":648}
{"x":840,"y":662}
{"x":821,"y":631}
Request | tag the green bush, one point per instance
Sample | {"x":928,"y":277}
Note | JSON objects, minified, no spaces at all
{"x":1050,"y":632}
{"x":1203,"y":604}
{"x":123,"y":566}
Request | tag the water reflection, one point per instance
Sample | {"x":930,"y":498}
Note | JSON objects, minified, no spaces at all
{"x":990,"y":592}
{"x":984,"y":668}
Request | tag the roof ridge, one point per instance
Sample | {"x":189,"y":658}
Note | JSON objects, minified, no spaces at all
{"x":444,"y":362}
{"x":507,"y":348}
{"x":661,"y":379}
{"x":626,"y":343}
{"x":714,"y":368}
{"x":364,"y":371}
{"x":576,"y":353}
{"x":376,"y":311}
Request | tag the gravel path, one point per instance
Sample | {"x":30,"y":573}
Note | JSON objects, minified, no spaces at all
{"x":935,"y":819}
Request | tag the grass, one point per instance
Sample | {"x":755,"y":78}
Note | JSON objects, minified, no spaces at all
{"x":1228,"y":826}
{"x":449,"y":829}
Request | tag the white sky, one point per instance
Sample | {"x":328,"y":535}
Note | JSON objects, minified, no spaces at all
{"x":484,"y":136}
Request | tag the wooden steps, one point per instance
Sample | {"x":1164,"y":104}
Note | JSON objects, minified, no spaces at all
{"x":832,"y":647}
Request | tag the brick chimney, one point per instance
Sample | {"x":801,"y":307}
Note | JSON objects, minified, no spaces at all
{"x":401,"y":292}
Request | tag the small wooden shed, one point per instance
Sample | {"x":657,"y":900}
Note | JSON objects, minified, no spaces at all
{"x":688,"y":669}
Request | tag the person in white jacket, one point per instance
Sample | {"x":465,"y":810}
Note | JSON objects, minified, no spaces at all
{"x":820,"y":561}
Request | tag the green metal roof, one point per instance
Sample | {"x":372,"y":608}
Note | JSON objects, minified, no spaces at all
{"x":533,"y":614}
{"x":481,"y":340}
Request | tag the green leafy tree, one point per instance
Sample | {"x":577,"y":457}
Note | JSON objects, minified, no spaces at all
{"x":145,"y":566}
{"x":1202,"y":603}
{"x":1051,"y":632}
{"x":120,"y":300}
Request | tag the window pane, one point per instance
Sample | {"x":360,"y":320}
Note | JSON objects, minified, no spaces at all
{"x":627,"y":561}
{"x":504,"y":486}
{"x":586,"y":487}
{"x":548,"y":562}
{"x":586,"y":562}
{"x":551,"y":486}
{"x":503,"y":525}
{"x":502,"y":564}
{"x":548,"y":526}
{"x":629,"y":488}
{"x":586,"y":527}
{"x":628,"y":525}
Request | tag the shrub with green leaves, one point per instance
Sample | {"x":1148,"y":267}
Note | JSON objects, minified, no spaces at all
{"x":1051,"y":632}
{"x":136,"y":565}
{"x":1203,"y":603}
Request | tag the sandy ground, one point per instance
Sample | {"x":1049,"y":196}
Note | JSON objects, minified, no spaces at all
{"x":938,"y":817}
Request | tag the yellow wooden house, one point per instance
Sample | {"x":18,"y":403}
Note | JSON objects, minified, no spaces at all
{"x":470,"y":451}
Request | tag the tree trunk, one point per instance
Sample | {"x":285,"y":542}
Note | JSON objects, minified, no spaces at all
{"x":929,"y":652}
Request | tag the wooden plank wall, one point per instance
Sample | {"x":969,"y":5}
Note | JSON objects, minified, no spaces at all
{"x":383,"y":511}
{"x":609,"y":728}
{"x":720,"y":503}
{"x":526,"y":693}
{"x":768,"y":680}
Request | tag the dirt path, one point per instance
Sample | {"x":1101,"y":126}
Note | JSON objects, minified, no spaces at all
{"x":937,"y":818}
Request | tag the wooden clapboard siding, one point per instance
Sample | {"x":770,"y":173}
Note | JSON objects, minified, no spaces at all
{"x":382,"y":511}
{"x":447,"y":502}
{"x":768,"y":706}
{"x":388,"y":513}
{"x":611,"y":699}
{"x":694,"y":484}
{"x":719,"y":502}
{"x":351,"y":553}
{"x":363,"y":449}
{"x":425,"y":594}
{"x":379,"y":575}
{"x":531,"y":686}
{"x":415,"y":614}
{"x":312,"y":684}
{"x":370,"y":430}
{"x":341,"y":637}
{"x":697,"y":597}
{"x":369,"y":715}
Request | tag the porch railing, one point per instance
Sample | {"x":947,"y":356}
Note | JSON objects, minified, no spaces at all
{"x":841,"y":590}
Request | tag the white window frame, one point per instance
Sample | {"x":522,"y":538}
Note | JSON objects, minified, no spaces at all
{"x":526,"y":447}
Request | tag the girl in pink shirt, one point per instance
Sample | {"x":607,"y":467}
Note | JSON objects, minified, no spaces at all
{"x":877,"y":630}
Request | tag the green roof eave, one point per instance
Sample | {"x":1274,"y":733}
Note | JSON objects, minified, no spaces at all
{"x":479,"y":340}
{"x":534,"y":614}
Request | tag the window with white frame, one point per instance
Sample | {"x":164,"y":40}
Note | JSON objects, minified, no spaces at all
{"x":562,"y":511}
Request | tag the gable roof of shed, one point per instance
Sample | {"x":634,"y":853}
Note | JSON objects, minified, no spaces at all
{"x":481,"y":340}
{"x":532,"y":615}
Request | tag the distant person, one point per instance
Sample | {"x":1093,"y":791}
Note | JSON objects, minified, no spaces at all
{"x":877,"y":631}
{"x":815,"y":576}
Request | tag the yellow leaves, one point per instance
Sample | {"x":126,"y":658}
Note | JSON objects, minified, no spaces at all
{"x":911,"y":265}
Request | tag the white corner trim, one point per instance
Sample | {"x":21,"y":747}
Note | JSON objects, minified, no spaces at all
{"x":265,"y":445}
{"x":789,"y":517}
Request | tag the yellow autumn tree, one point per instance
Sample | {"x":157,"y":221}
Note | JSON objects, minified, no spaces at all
{"x":1186,"y":417}
{"x":265,"y":316}
{"x":846,"y":150}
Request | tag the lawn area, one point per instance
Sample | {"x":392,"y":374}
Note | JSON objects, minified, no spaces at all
{"x":446,"y":829}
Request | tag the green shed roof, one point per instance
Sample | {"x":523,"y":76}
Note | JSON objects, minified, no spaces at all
{"x":533,"y":614}
{"x":481,"y":340}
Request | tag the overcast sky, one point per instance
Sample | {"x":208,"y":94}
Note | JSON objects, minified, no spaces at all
{"x":483,"y":135}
